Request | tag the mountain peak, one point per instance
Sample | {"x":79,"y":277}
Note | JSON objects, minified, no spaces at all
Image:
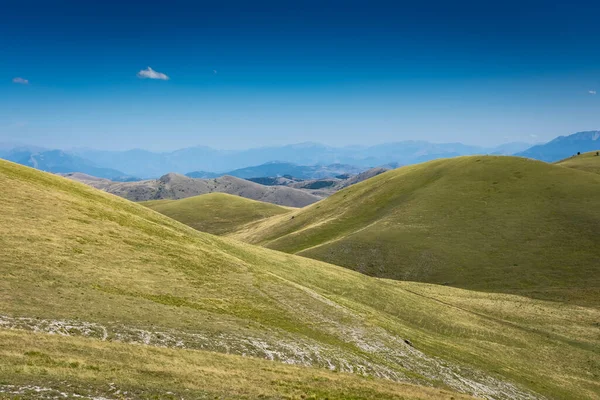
{"x":564,"y":146}
{"x":171,"y":176}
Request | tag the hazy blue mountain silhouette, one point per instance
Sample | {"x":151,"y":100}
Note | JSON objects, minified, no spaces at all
{"x":564,"y":146}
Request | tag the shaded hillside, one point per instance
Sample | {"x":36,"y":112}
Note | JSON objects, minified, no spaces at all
{"x":175,"y":186}
{"x":321,"y":187}
{"x":564,"y":146}
{"x":363,"y":176}
{"x":589,"y":162}
{"x":79,"y":262}
{"x":503,"y":224}
{"x":285,"y":180}
{"x":274,"y":169}
{"x":216,"y":213}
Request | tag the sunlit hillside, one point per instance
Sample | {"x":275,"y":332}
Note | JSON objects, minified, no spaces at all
{"x":98,"y":269}
{"x":497,"y":224}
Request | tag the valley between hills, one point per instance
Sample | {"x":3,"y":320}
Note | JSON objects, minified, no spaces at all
{"x":471,"y":276}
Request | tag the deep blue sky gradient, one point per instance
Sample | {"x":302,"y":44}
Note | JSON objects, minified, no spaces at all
{"x":329,"y":71}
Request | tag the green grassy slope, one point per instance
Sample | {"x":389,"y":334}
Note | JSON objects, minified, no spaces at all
{"x":589,"y":162}
{"x":502,"y":224}
{"x":216,"y":213}
{"x":99,"y":269}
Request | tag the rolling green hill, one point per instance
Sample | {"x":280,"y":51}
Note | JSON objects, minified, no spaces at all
{"x":589,"y":162}
{"x":142,"y":304}
{"x":216,"y":213}
{"x":502,"y":224}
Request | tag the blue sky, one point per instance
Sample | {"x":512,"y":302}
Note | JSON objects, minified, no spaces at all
{"x":246,"y":74}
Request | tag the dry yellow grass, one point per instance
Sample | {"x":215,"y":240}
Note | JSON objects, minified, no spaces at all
{"x":84,"y":263}
{"x":589,"y":162}
{"x":216,"y":213}
{"x":86,"y":366}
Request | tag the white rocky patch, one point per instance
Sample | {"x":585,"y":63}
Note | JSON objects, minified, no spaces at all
{"x":376,"y":349}
{"x":38,"y":392}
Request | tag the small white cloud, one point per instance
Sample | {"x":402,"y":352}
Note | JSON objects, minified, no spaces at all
{"x":214,"y":71}
{"x":20,"y":81}
{"x":149,"y":73}
{"x":533,"y":136}
{"x":592,"y":92}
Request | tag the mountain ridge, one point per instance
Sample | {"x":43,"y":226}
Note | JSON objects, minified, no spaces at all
{"x":564,"y":146}
{"x":147,"y":164}
{"x":173,"y":186}
{"x":306,"y":160}
{"x":280,"y":168}
{"x":58,"y":161}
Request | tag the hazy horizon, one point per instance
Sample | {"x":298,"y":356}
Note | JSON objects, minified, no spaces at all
{"x":10,"y":144}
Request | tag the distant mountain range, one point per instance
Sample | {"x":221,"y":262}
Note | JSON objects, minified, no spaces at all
{"x":303,"y":161}
{"x":175,"y":186}
{"x":275,"y":169}
{"x":564,"y":146}
{"x":322,"y":186}
{"x":58,"y":161}
{"x":146,"y":164}
{"x":205,"y":162}
{"x":281,"y":191}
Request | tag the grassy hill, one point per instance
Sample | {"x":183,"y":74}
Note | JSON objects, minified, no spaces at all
{"x":142,"y":304}
{"x":589,"y":162}
{"x":216,"y":213}
{"x":502,"y":224}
